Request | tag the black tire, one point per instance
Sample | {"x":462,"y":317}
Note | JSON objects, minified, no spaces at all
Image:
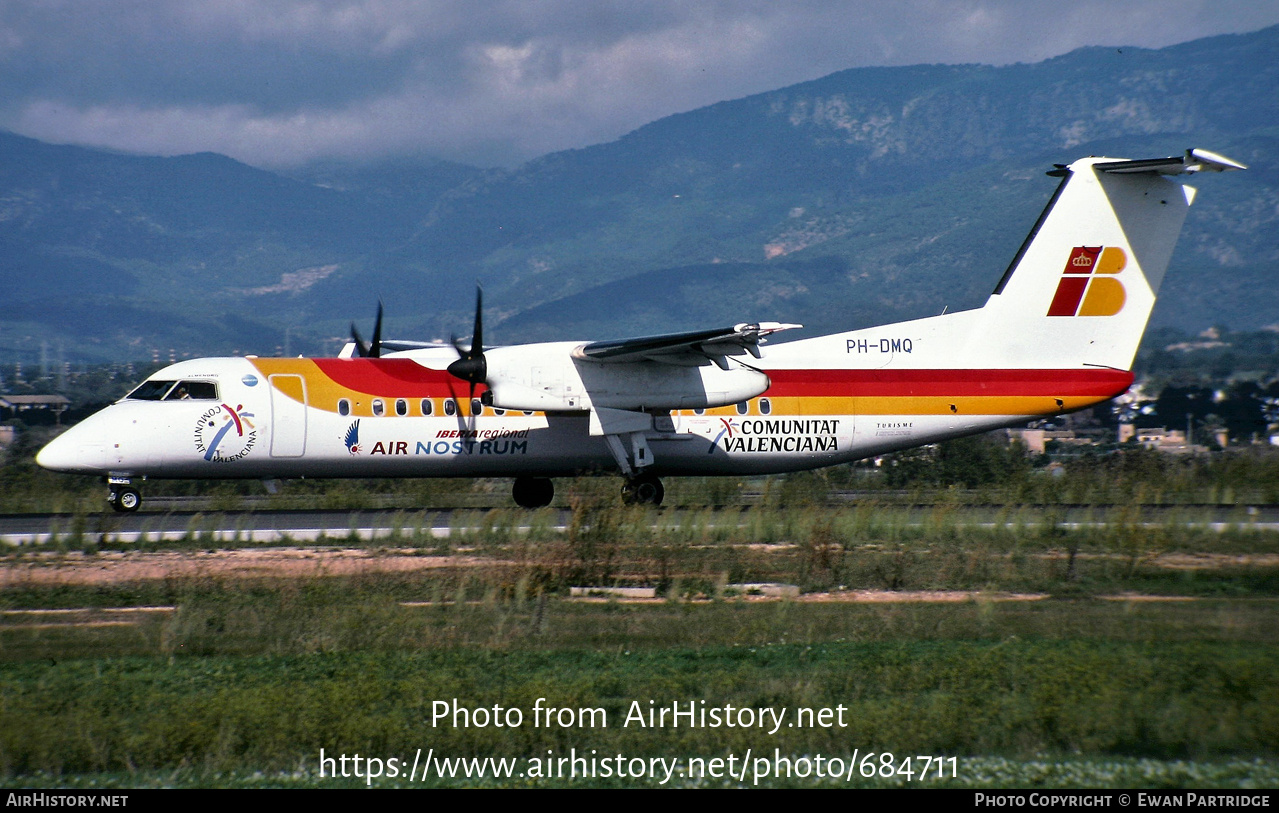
{"x":533,"y":492}
{"x":125,"y":500}
{"x":643,"y":490}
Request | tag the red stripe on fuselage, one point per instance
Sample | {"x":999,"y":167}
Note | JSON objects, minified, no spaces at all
{"x":407,"y":379}
{"x":403,"y":378}
{"x":888,"y":383}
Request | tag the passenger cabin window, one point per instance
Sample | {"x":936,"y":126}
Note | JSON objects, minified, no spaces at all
{"x":150,"y":390}
{"x":193,"y":391}
{"x":428,"y":406}
{"x":379,"y":408}
{"x":765,"y":406}
{"x":344,"y":407}
{"x":699,"y":412}
{"x":742,"y":408}
{"x":450,"y":406}
{"x":477,"y":408}
{"x":401,"y":407}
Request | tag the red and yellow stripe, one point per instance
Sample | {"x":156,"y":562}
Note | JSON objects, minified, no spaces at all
{"x":938,"y":392}
{"x":360,"y":381}
{"x":793,"y":392}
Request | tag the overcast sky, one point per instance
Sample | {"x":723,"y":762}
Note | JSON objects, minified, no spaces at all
{"x":277,"y":83}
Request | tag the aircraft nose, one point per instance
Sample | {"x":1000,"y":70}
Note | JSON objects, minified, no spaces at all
{"x":72,"y":451}
{"x":57,"y":455}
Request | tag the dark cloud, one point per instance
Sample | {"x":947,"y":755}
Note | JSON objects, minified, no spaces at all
{"x":285,"y":82}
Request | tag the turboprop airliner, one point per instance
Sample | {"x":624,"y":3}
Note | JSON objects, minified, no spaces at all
{"x":1058,"y":334}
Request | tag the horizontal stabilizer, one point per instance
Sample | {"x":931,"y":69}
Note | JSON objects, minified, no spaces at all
{"x":1195,"y":160}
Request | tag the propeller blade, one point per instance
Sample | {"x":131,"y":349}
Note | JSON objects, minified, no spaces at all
{"x":471,"y":365}
{"x":361,"y":349}
{"x":376,"y":350}
{"x":477,"y":339}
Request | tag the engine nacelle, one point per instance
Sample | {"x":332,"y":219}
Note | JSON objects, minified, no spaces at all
{"x":546,"y":377}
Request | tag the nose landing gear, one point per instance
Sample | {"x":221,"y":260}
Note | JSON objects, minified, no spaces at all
{"x":124,"y":499}
{"x":122,"y":496}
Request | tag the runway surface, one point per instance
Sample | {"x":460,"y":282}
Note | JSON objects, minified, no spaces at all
{"x":293,"y":526}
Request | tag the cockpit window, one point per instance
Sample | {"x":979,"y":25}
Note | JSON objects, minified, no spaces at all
{"x":193,"y":391}
{"x":151,"y":390}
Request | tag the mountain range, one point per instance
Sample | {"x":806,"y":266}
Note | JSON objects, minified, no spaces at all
{"x":869,"y":195}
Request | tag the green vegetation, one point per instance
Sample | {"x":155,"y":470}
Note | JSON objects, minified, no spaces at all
{"x":272,"y":712}
{"x":260,"y":680}
{"x":1052,"y":668}
{"x":241,"y":680}
{"x":968,"y":471}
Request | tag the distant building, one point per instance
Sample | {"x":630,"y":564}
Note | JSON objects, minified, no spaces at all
{"x":1162,"y":439}
{"x":14,"y":405}
{"x":1032,"y":439}
{"x":1036,"y":440}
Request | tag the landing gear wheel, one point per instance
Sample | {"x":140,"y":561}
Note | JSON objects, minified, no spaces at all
{"x":645,"y":489}
{"x":125,"y":500}
{"x":533,"y":492}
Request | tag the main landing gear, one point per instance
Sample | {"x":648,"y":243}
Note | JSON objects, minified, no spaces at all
{"x":123,"y":497}
{"x":643,"y":489}
{"x":533,"y":492}
{"x":537,"y":492}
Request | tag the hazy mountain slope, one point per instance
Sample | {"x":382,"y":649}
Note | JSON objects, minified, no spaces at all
{"x":841,"y":166}
{"x":942,"y":246}
{"x":865,"y":196}
{"x":94,"y":243}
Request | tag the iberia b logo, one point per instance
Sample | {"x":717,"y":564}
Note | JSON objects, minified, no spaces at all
{"x":1088,"y":286}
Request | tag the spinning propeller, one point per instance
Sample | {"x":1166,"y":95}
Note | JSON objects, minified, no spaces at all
{"x":374,"y":350}
{"x":471,"y":365}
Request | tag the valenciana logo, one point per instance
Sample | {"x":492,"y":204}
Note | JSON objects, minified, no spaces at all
{"x":223,"y":434}
{"x":1089,"y":285}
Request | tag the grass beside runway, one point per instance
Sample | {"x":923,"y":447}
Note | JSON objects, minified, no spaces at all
{"x":250,"y":679}
{"x":241,"y":677}
{"x":214,"y":706}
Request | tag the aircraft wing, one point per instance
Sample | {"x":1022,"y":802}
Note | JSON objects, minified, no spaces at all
{"x":691,"y":349}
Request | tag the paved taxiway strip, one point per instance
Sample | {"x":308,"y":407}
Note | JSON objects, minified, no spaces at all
{"x":256,"y":526}
{"x":288,"y":527}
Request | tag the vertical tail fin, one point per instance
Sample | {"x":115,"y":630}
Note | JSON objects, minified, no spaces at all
{"x":1080,"y":290}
